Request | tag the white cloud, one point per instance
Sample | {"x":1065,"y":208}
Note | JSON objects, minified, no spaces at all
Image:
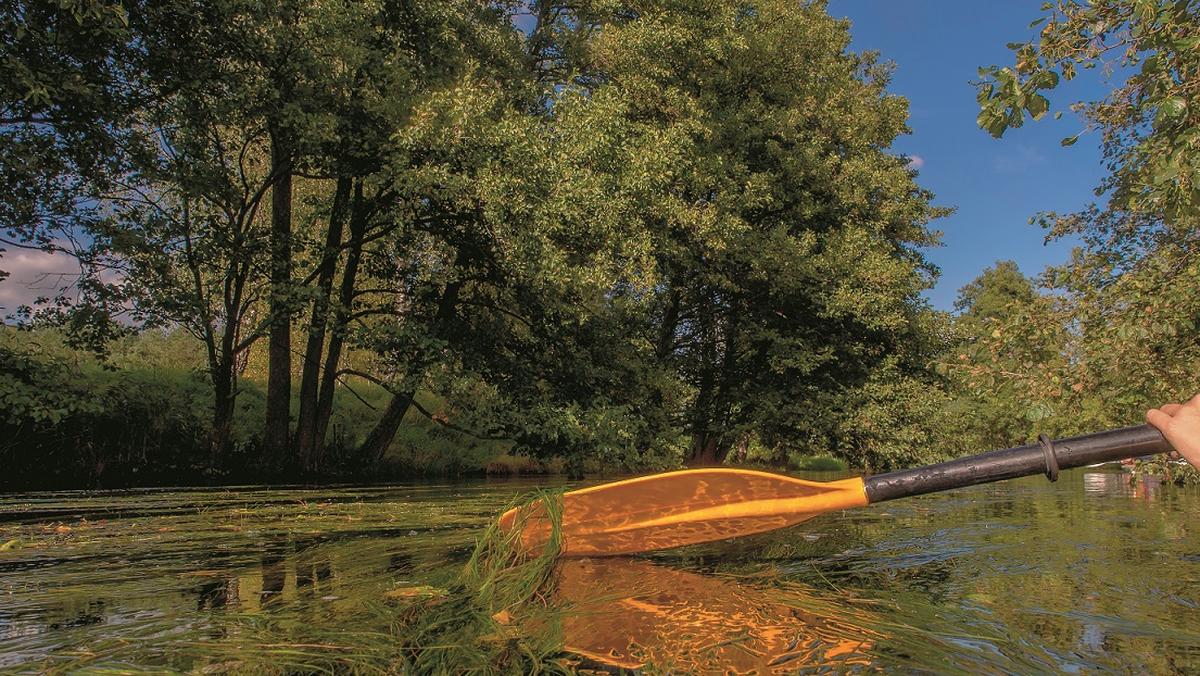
{"x":915,"y":161}
{"x":34,"y":274}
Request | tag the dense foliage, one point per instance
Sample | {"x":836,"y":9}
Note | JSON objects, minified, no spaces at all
{"x":642,"y":235}
{"x":140,"y":416}
{"x":633,"y":235}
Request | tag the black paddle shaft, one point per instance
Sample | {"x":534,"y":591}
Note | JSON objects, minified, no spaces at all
{"x":1046,"y":457}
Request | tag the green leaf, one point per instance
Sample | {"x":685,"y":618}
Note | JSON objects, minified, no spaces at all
{"x":986,"y":118}
{"x":1165,"y":171}
{"x":1046,"y":79}
{"x":1037,"y":412}
{"x":1172,"y":109}
{"x":984,"y":93}
{"x":1069,"y":141}
{"x":1037,"y":105}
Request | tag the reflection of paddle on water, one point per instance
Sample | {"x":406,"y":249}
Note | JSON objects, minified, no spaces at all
{"x":628,"y":613}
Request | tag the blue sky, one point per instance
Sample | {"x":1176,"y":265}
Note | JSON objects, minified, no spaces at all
{"x":995,"y":185}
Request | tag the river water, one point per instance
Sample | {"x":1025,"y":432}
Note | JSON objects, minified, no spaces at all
{"x":1097,"y":572}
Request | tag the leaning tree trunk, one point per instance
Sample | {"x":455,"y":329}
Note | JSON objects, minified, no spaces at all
{"x":279,"y":355}
{"x":380,"y":438}
{"x":306,"y":423}
{"x":377,"y":443}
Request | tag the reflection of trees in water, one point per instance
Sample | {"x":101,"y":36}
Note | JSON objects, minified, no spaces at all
{"x":313,"y":568}
{"x":83,"y":614}
{"x":304,"y":574}
{"x":1061,"y":583}
{"x":217,"y":593}
{"x":274,"y":575}
{"x":400,"y":562}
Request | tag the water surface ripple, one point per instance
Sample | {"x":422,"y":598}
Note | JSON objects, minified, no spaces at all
{"x":1093,"y":573}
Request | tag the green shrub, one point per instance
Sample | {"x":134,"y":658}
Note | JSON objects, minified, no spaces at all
{"x":816,"y":463}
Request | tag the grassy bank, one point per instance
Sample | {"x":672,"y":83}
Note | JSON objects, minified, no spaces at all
{"x":140,"y":417}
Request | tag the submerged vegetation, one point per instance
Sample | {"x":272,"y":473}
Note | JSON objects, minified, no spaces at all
{"x":270,"y":580}
{"x":498,"y":615}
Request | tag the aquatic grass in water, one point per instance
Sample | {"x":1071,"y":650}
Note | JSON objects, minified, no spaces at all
{"x":494,"y":616}
{"x":491,"y":613}
{"x":498,"y":616}
{"x":1092,"y":573}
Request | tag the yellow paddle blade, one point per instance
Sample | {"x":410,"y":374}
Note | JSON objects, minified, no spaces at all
{"x":682,"y":508}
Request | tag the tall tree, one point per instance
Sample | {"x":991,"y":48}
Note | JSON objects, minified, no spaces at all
{"x":788,"y":240}
{"x":188,"y":232}
{"x":515,"y":226}
{"x":992,"y":410}
{"x":993,"y":294}
{"x":402,"y":56}
{"x":121,"y":161}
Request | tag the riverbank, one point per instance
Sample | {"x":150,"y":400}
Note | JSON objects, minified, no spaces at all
{"x":141,"y":414}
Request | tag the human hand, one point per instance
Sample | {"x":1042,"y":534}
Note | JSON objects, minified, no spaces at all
{"x":1180,"y":424}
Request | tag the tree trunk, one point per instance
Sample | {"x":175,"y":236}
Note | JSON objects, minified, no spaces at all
{"x":341,"y":319}
{"x":223,"y":407}
{"x":711,"y":417}
{"x":279,"y":356}
{"x":223,"y":365}
{"x":670,"y":323}
{"x":306,"y":423}
{"x":380,"y":439}
{"x":708,"y":450}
